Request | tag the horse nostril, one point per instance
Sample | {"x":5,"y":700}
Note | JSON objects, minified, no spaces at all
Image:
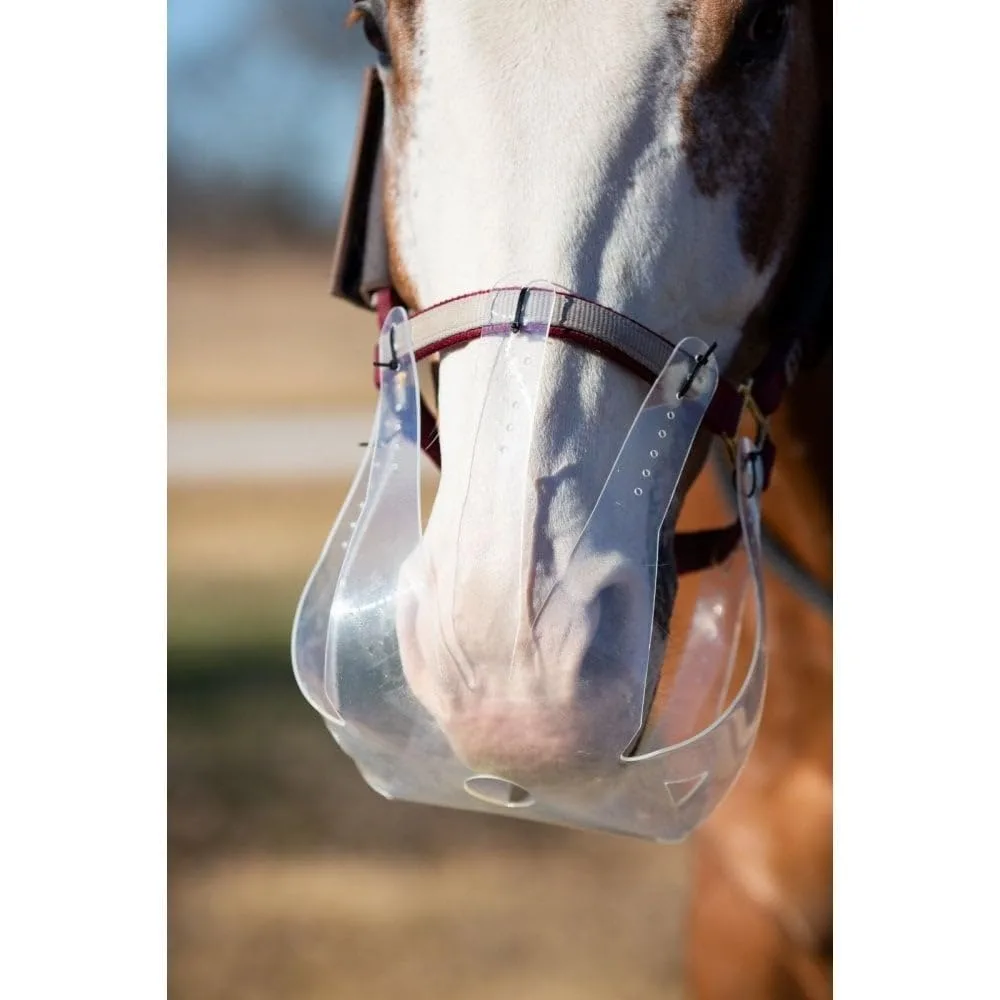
{"x":613,"y":604}
{"x":612,"y":615}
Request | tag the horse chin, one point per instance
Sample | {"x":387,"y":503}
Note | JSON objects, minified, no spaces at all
{"x":537,"y":746}
{"x":542,"y":744}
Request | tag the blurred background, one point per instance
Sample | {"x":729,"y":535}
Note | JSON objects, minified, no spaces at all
{"x":288,"y":877}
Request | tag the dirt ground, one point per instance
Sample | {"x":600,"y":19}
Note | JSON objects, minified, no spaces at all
{"x":290,"y":879}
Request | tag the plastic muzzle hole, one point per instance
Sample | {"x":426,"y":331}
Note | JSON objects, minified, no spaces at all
{"x":498,"y":792}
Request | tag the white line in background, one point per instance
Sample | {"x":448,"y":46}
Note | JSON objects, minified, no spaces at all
{"x":305,"y":446}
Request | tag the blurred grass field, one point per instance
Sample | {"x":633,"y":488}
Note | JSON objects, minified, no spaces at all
{"x":254,"y":333}
{"x":289,"y":879}
{"x":240,"y":555}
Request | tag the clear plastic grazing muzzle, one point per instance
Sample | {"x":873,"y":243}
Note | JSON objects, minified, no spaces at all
{"x":626,"y":736}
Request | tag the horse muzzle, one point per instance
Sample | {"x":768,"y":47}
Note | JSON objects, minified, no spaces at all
{"x":554,"y":703}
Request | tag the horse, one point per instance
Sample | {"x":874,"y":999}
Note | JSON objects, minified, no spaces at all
{"x":668,"y":159}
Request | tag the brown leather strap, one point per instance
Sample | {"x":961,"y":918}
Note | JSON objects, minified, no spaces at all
{"x":360,"y":257}
{"x":697,"y":550}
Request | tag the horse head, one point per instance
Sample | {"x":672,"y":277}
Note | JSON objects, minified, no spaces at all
{"x":655,"y":156}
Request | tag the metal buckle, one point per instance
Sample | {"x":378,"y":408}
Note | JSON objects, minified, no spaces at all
{"x":762,"y":434}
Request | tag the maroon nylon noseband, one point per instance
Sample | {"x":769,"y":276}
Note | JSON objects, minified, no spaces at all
{"x":694,"y":550}
{"x":770,"y":380}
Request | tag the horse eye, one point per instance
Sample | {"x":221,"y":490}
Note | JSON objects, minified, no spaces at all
{"x":764,"y":31}
{"x":371,"y":13}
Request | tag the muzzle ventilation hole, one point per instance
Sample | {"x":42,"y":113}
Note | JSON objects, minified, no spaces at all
{"x":498,"y":792}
